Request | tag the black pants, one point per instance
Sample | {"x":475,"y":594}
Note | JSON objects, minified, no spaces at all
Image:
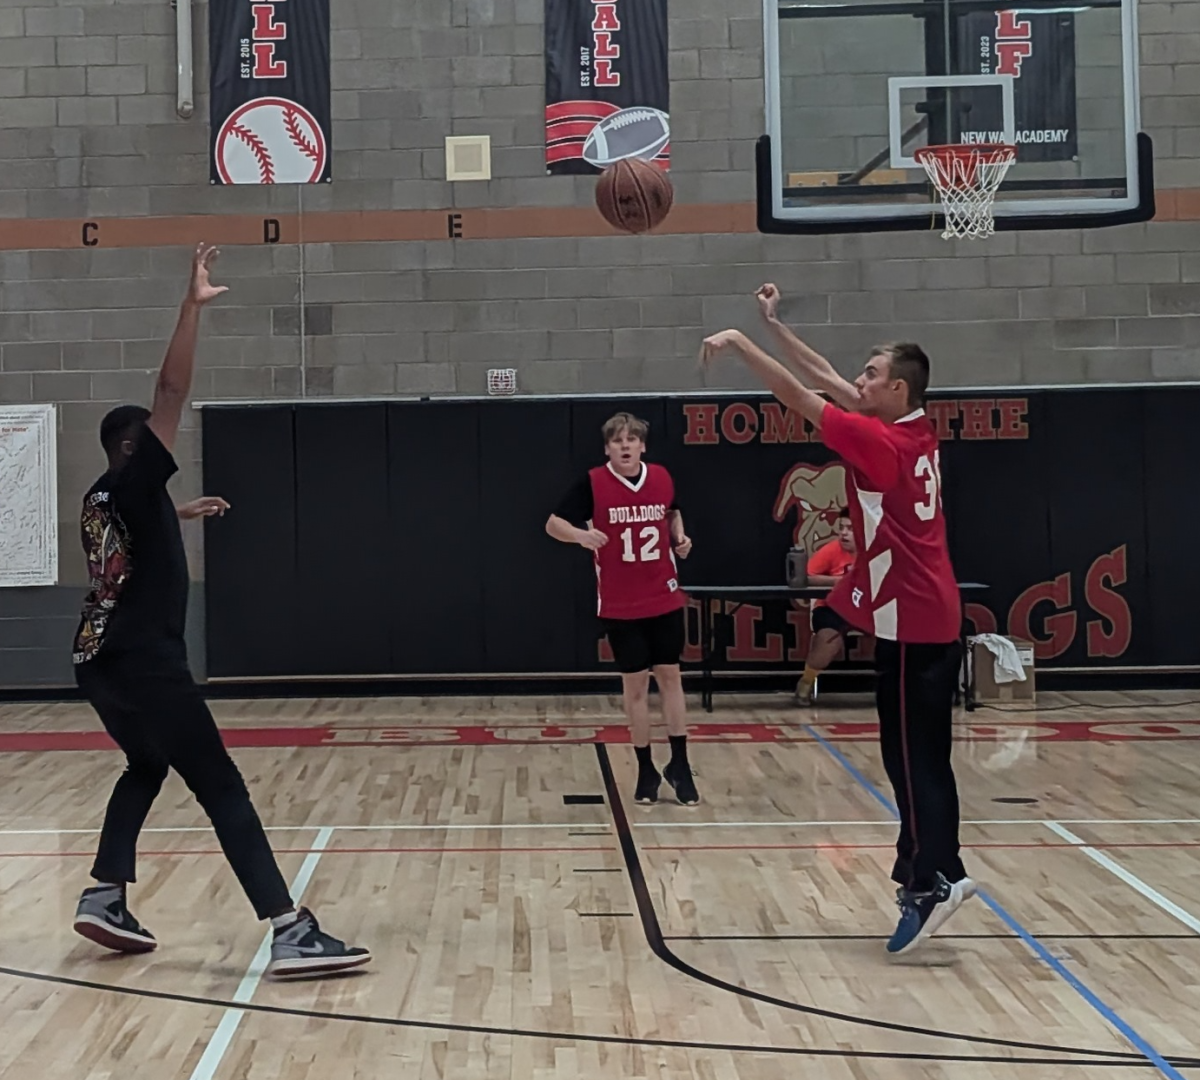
{"x":158,"y":717}
{"x":915,"y":698}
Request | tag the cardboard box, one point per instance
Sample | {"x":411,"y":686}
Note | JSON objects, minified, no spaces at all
{"x":983,"y":667}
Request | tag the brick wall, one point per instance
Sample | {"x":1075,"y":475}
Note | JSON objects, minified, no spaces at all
{"x":88,"y":131}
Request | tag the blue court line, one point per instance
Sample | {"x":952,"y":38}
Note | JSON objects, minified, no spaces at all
{"x":1140,"y":1044}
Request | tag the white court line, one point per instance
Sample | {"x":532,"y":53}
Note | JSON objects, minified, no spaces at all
{"x":210,"y":1060}
{"x":1132,"y":880}
{"x":636,"y":825}
{"x":1118,"y":821}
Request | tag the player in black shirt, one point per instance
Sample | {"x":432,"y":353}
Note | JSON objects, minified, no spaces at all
{"x":131,"y":663}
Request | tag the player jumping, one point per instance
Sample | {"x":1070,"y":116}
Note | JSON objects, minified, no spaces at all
{"x":901,"y":589}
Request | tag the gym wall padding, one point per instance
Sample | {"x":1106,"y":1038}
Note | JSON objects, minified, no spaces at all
{"x":434,"y":476}
{"x":343,"y":534}
{"x":251,"y":598}
{"x":408,"y":537}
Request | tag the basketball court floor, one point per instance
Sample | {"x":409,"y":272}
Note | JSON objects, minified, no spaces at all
{"x":529,"y":921}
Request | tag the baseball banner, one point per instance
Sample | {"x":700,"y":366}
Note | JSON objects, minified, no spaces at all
{"x":1037,"y":48}
{"x":607,"y":84}
{"x":269,"y":91}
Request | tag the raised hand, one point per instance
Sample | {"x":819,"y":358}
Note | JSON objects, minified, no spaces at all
{"x":201,"y":290}
{"x":768,"y":298}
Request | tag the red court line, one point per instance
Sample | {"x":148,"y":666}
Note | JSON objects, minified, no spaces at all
{"x":502,"y":734}
{"x":564,"y":850}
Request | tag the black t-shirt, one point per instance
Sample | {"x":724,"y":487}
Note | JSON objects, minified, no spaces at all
{"x":136,"y":561}
{"x":578,"y":505}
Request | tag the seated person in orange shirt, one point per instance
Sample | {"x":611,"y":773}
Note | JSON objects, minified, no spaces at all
{"x":825,"y":566}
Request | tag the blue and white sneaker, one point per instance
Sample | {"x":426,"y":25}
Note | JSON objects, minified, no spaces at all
{"x":923,"y":914}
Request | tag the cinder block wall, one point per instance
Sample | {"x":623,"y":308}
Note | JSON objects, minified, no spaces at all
{"x":88,"y":132}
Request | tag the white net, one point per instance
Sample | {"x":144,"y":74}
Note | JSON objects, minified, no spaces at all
{"x":967,"y":178}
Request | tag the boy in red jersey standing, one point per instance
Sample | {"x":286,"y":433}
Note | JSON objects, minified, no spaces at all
{"x":624,"y":512}
{"x":901,"y":589}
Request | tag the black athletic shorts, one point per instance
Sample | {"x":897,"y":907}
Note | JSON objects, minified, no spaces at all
{"x":825,"y":618}
{"x":642,"y":644}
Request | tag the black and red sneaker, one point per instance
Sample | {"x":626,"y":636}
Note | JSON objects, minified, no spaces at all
{"x":102,"y":917}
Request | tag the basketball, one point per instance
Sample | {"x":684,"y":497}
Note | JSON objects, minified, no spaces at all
{"x":634,"y":195}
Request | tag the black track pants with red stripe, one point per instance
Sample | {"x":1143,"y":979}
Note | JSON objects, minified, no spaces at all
{"x":915,"y":699}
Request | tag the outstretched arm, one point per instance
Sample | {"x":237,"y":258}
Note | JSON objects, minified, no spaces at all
{"x":175,"y":377}
{"x":775,"y":377}
{"x":859,"y":439}
{"x":807,"y":361}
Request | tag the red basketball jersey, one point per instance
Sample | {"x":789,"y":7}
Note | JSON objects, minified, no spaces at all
{"x":902,"y":586}
{"x":635,"y":571}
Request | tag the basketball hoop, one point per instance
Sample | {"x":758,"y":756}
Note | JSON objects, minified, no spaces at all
{"x":967,"y":177}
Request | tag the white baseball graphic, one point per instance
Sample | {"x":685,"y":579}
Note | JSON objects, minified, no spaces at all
{"x":271,"y":140}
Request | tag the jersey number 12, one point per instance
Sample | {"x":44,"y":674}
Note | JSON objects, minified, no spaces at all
{"x":649,"y":538}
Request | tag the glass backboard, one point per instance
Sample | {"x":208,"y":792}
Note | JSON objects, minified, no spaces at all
{"x":855,"y":88}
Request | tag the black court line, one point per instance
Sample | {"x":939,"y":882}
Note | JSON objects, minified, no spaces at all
{"x":700,"y":938}
{"x":553,"y":1036}
{"x":658,"y":945}
{"x":597,"y":870}
{"x":583,"y":800}
{"x":605,"y":914}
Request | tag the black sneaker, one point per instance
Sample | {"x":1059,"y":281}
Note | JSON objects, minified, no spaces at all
{"x":102,"y":917}
{"x":303,"y":948}
{"x":680,"y":778}
{"x":922,"y":914}
{"x":647,"y":786}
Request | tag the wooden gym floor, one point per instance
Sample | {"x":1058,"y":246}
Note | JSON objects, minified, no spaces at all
{"x":530,"y":922}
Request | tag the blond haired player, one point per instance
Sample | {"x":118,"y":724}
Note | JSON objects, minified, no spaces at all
{"x":624,"y":512}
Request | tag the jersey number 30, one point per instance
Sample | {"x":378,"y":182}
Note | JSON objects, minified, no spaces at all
{"x":649,"y":552}
{"x":931,"y":472}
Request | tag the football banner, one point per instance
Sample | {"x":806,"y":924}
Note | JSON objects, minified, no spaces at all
{"x":607,"y":84}
{"x":269,"y":91}
{"x":1037,"y":48}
